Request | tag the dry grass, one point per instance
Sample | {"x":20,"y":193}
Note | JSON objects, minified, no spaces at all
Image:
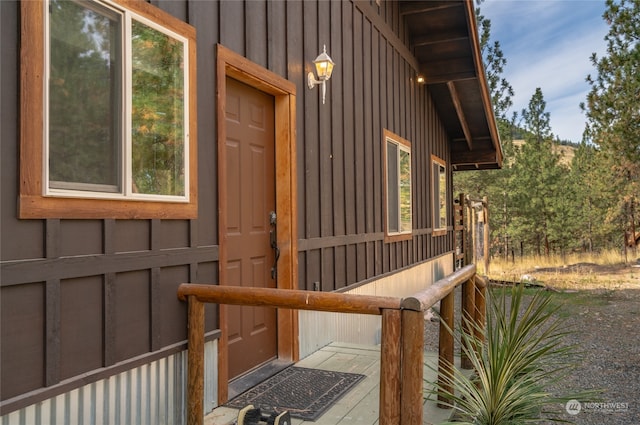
{"x":595,"y":271}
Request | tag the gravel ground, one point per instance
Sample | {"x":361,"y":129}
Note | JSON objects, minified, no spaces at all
{"x":606,"y":326}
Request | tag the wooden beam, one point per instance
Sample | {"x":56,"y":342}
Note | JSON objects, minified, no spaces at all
{"x":475,"y":157}
{"x":445,"y":350}
{"x":480,"y":313}
{"x":435,"y":292}
{"x":293,"y":298}
{"x":437,"y":38}
{"x":461,"y":117}
{"x":485,"y":139}
{"x":412,"y":367}
{"x":410,"y":8}
{"x":195,"y":362}
{"x":390,"y":358}
{"x":444,"y":71}
{"x":468,"y":317}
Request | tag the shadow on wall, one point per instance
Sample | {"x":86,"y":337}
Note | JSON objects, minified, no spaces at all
{"x":438,"y":272}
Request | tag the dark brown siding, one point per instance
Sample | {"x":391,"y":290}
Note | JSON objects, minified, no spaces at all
{"x":82,"y":296}
{"x":23,"y":338}
{"x":80,"y":325}
{"x":131,"y":309}
{"x":373,"y":88}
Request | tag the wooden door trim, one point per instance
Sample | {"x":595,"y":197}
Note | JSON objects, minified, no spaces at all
{"x":231,"y":64}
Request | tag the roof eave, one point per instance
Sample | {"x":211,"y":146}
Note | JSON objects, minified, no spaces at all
{"x":482,"y":79}
{"x":444,"y":40}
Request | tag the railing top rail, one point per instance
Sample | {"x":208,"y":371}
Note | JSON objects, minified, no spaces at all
{"x":423,"y":300}
{"x":289,"y":298}
{"x":325,"y":301}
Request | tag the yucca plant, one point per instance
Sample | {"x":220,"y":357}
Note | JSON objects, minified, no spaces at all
{"x":522,"y":355}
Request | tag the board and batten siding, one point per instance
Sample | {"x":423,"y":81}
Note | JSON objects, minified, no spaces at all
{"x":85,"y":300}
{"x":373,"y":87}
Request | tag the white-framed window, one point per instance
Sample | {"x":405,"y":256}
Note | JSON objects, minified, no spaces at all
{"x":115,"y":123}
{"x":398,"y":196}
{"x":109,"y":111}
{"x":439,"y":191}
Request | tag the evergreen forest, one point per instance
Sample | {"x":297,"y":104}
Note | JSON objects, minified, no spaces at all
{"x":543,"y":201}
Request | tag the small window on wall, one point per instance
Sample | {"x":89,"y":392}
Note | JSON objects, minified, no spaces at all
{"x":397,"y":160}
{"x":439,"y":179}
{"x":116,"y":111}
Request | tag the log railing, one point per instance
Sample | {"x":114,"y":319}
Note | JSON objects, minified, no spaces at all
{"x":402,"y":345}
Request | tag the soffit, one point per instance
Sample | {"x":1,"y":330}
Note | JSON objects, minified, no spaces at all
{"x":444,"y":40}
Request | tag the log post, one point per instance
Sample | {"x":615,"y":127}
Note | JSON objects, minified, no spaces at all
{"x":473,"y":228}
{"x":468,"y":316}
{"x":195,"y":362}
{"x":445,"y":349}
{"x":390,"y":358}
{"x":468,"y":232}
{"x":461,"y":232}
{"x":486,"y":240}
{"x":481,"y":307}
{"x":412,"y":367}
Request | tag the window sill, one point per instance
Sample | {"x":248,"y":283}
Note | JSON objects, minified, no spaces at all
{"x":38,"y":207}
{"x":397,"y":237}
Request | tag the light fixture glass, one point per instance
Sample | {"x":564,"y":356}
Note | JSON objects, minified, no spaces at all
{"x":324,"y":65}
{"x":324,"y":68}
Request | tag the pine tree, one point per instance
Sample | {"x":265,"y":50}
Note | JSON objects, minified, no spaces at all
{"x":537,"y":184}
{"x":612,"y":110}
{"x":591,"y":174}
{"x":494,"y":64}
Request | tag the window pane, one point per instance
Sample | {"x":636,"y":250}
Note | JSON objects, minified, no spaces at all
{"x":84,"y":97}
{"x":439,"y":195}
{"x":442,"y":188}
{"x":405,"y":191}
{"x":157,"y":132}
{"x":392,"y":188}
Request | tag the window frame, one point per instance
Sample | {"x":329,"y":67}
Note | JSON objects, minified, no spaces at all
{"x":438,"y":229}
{"x":403,"y":145}
{"x":36,"y":199}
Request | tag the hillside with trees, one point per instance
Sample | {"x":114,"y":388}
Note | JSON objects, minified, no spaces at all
{"x":544,"y":201}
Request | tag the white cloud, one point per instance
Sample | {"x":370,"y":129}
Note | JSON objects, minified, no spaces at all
{"x":548,"y":44}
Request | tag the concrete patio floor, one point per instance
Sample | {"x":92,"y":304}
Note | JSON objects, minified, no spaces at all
{"x":360,"y":405}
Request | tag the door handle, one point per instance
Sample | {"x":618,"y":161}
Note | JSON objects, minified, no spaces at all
{"x":273,"y":240}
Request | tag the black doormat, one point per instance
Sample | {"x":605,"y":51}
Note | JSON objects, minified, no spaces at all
{"x":305,"y":393}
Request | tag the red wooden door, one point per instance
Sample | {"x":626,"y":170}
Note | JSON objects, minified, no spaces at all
{"x":250,"y":176}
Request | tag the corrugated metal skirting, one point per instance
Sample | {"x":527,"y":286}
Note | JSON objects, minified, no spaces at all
{"x":318,"y":329}
{"x":152,"y":394}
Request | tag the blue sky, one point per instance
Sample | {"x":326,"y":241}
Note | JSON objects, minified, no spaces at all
{"x":548,"y":44}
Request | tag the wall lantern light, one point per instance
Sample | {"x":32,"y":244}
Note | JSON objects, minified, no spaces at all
{"x":324,"y":67}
